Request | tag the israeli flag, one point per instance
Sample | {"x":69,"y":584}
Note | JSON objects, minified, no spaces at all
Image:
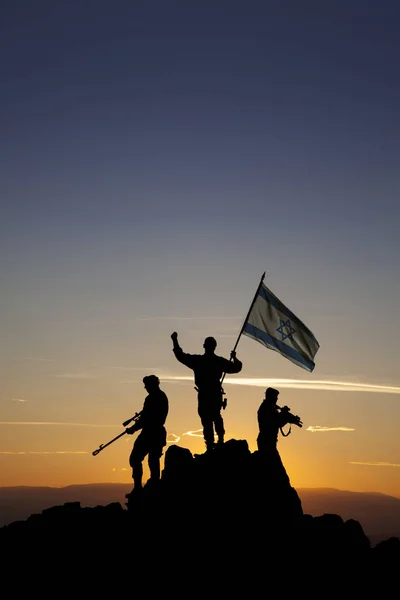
{"x":276,"y":327}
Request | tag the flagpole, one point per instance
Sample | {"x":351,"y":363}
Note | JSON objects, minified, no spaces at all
{"x":249,"y":311}
{"x":247,"y":316}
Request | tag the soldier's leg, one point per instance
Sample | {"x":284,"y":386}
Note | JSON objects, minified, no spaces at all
{"x":154,"y":464}
{"x":137,"y":469}
{"x":219,"y":427}
{"x":156,"y":444}
{"x":206,"y":418}
{"x":136,"y":458}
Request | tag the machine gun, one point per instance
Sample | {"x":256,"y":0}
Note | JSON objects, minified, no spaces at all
{"x":290,"y":418}
{"x":124,"y":424}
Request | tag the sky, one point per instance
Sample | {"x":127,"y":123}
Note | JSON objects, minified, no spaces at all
{"x":156,"y":158}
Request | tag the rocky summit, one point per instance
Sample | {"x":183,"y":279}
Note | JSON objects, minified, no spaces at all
{"x":225,"y":520}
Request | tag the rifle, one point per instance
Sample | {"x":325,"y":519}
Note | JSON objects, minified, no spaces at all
{"x":290,"y":418}
{"x":124,"y":424}
{"x":295,"y":419}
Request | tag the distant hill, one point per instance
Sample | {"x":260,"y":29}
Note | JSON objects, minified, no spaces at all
{"x":19,"y":502}
{"x":379,"y":514}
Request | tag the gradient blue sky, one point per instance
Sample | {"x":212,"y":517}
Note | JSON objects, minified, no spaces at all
{"x":156,"y":158}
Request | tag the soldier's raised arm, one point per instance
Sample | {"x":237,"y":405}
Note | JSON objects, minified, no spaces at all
{"x":234,"y":365}
{"x":174,"y":338}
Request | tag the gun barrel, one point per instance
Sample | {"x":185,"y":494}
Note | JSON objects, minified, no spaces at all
{"x":102,"y":446}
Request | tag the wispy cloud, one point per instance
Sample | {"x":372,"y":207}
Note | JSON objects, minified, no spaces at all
{"x":57,"y":423}
{"x":180,"y":382}
{"x":301,"y":384}
{"x":172,"y":318}
{"x":134,"y":368}
{"x":55,"y":452}
{"x":139,"y":370}
{"x":314,"y":428}
{"x":227,"y":335}
{"x":175,"y":438}
{"x":18,"y":400}
{"x":375,"y":464}
{"x":196,"y":433}
{"x":38,"y":358}
{"x":75,"y":376}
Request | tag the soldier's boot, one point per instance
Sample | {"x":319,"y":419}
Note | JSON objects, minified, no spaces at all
{"x":210,"y":446}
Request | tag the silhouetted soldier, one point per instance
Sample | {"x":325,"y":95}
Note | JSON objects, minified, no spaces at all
{"x":153,"y":435}
{"x":208,"y":370}
{"x":271,"y":419}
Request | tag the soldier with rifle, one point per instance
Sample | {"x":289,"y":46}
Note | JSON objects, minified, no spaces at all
{"x":271,"y":419}
{"x":153,"y":435}
{"x":278,"y":497}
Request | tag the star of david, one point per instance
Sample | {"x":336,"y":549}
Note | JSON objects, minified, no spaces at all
{"x":290,"y":331}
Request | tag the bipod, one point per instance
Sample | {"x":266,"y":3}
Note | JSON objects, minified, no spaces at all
{"x":124,"y":424}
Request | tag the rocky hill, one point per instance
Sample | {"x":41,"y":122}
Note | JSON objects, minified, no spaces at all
{"x":230,"y":518}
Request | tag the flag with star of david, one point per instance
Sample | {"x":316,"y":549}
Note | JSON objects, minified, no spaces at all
{"x":272,"y":324}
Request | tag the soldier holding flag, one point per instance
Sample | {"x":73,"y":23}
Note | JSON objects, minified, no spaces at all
{"x":209,"y":369}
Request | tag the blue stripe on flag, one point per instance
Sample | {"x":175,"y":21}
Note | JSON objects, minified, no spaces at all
{"x":275,"y":344}
{"x":269,"y":297}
